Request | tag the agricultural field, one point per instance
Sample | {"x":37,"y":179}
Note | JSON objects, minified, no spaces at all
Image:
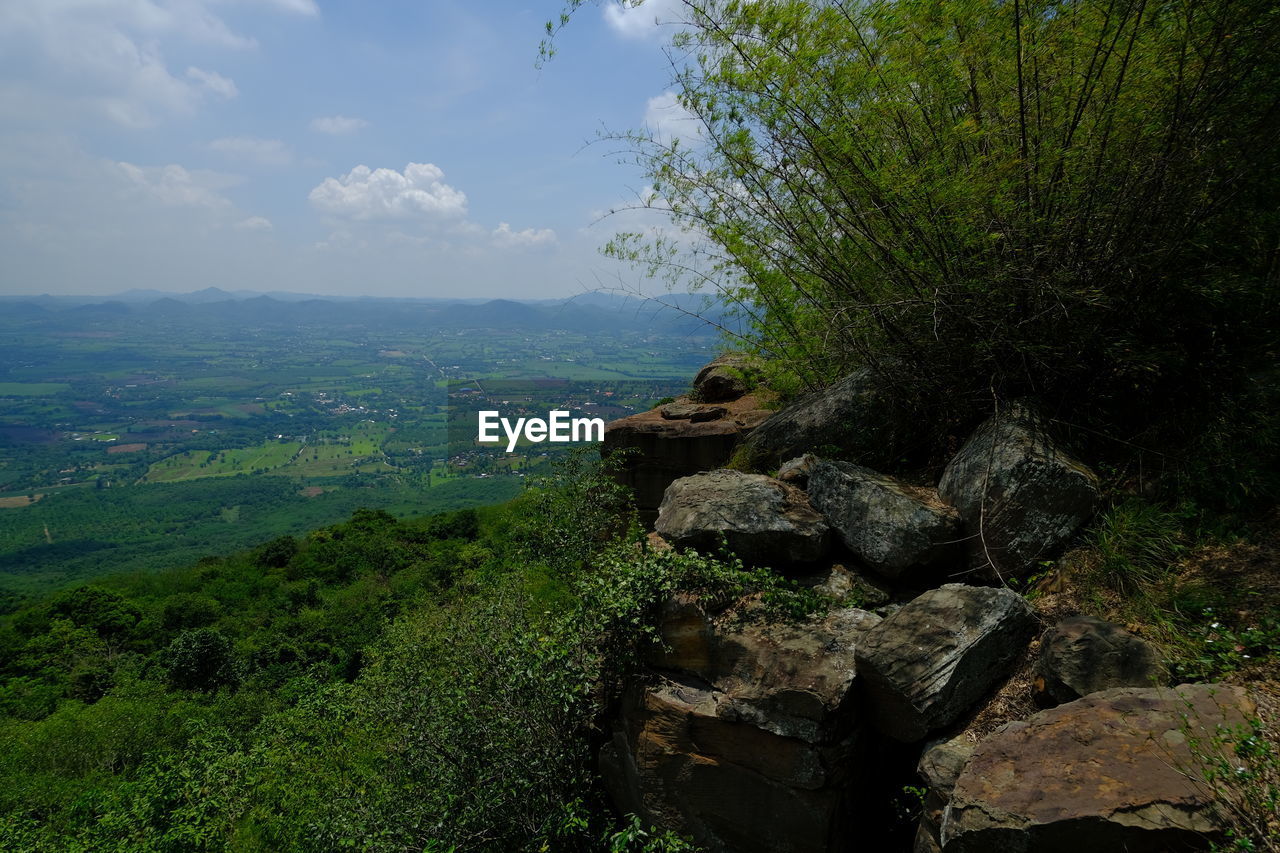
{"x":313,"y":407}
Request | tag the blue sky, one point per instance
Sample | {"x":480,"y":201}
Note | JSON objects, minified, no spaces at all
{"x":357,"y":148}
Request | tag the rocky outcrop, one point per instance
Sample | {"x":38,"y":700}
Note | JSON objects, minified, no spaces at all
{"x":748,"y":741}
{"x":1082,"y":655}
{"x":676,"y":440}
{"x":763,"y":520}
{"x":722,"y":380}
{"x":1112,"y":771}
{"x":900,"y":531}
{"x":694,"y":412}
{"x":850,"y":420}
{"x":1020,"y":495}
{"x":927,"y":664}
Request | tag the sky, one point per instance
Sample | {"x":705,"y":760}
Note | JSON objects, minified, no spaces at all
{"x":375,"y":148}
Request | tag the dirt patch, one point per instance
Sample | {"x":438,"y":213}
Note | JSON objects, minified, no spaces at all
{"x":20,"y":500}
{"x":126,"y":448}
{"x":311,"y":491}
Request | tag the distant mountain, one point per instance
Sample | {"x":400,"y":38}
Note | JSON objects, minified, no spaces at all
{"x":683,"y":314}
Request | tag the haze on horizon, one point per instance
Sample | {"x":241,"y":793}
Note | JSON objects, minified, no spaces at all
{"x":391,"y":149}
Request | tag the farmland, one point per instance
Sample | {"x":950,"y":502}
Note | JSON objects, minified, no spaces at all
{"x":136,"y":435}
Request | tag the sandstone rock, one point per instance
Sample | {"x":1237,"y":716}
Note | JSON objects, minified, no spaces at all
{"x":1083,"y":654}
{"x":729,"y":785}
{"x":660,"y":450}
{"x":897,"y":529}
{"x":748,"y":740}
{"x":695,"y":412}
{"x":940,"y":766}
{"x":1111,"y":771}
{"x":1020,"y":495}
{"x":849,"y":419}
{"x":929,"y":662}
{"x":792,"y":679}
{"x":796,"y":471}
{"x":722,"y":380}
{"x":763,"y":520}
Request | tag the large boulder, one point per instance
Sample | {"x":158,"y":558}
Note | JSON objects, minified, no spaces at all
{"x":673,"y":441}
{"x":926,"y":665}
{"x":897,"y":529}
{"x":748,"y":740}
{"x":1116,"y":770}
{"x":790,"y":678}
{"x":732,"y":787}
{"x":1083,"y":654}
{"x":851,"y":419}
{"x":1021,"y":496}
{"x":763,"y":520}
{"x":722,"y":380}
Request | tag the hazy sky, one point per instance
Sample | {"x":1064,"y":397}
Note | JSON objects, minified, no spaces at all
{"x":382,"y":147}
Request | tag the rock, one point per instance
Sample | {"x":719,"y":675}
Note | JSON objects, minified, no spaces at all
{"x":896,"y":529}
{"x":848,"y":586}
{"x":796,"y":471}
{"x":923,"y":667}
{"x":941,"y":764}
{"x":729,"y":785}
{"x":659,"y":450}
{"x":1111,"y":771}
{"x":722,"y":380}
{"x":1020,"y":495}
{"x":763,"y":520}
{"x":748,"y":740}
{"x":1082,"y":655}
{"x":850,"y":419}
{"x":788,"y":678}
{"x":694,"y":412}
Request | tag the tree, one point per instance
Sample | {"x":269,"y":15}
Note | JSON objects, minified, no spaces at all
{"x":981,"y":198}
{"x":201,"y":659}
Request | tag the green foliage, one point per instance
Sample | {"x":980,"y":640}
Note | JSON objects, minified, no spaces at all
{"x":633,"y":837}
{"x":1215,"y":649}
{"x":430,"y":684}
{"x":1074,"y":201}
{"x":201,"y":659}
{"x":1138,"y":543}
{"x":1239,"y":769}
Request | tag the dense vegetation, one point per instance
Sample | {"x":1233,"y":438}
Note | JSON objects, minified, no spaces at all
{"x":434,"y":681}
{"x":980,"y":201}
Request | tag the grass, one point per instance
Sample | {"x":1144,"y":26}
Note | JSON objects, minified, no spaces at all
{"x":32,"y":389}
{"x":1209,"y":600}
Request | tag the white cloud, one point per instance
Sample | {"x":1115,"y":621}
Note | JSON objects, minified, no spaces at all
{"x":213,"y":82}
{"x":337,"y":125}
{"x":667,"y":120}
{"x":254,"y":223}
{"x":266,"y":152}
{"x":505,"y":238}
{"x":115,"y":58}
{"x":641,"y":19}
{"x":175,"y":186}
{"x":371,"y":194}
{"x":300,"y":7}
